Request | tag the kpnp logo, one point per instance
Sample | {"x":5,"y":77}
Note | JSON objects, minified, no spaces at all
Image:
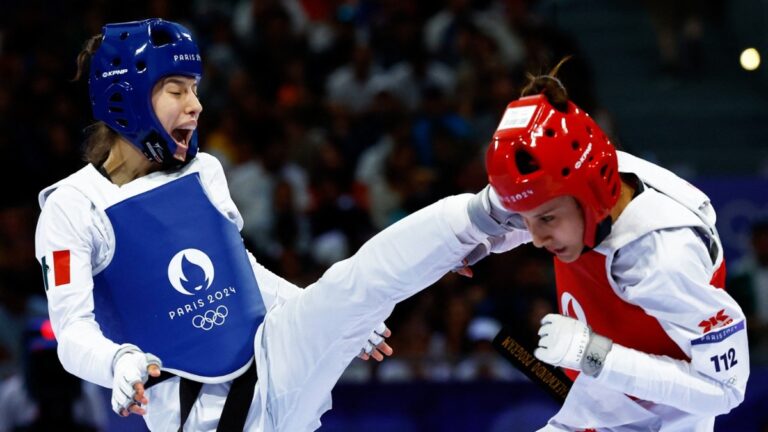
{"x":184,"y":271}
{"x":583,"y":157}
{"x":108,"y":74}
{"x":719,"y":320}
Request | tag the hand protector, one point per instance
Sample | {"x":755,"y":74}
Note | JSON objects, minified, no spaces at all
{"x":571,"y":344}
{"x":376,"y":337}
{"x":130,"y":366}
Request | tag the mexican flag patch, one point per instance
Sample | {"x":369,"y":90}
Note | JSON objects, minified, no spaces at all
{"x":61,"y":271}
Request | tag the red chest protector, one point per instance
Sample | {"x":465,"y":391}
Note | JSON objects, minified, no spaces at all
{"x":584,"y":293}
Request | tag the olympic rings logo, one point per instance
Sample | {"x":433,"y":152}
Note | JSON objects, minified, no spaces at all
{"x":210,"y":318}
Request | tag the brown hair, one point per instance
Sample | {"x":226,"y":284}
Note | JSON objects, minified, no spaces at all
{"x":550,"y":86}
{"x":99,"y":137}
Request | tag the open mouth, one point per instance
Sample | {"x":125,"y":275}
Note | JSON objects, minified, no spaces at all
{"x":557,"y":251}
{"x":182,"y":137}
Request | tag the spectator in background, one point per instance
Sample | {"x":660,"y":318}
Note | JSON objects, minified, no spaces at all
{"x":420,"y":357}
{"x":338,"y":218}
{"x":679,"y":29}
{"x":483,"y":363}
{"x":440,"y":135}
{"x":19,"y":277}
{"x":444,"y":31}
{"x":390,"y":173}
{"x":455,"y":315}
{"x":262,"y":178}
{"x":393,"y":29}
{"x":354,"y":85}
{"x":749,"y":286}
{"x":410,"y":78}
{"x":9,"y":343}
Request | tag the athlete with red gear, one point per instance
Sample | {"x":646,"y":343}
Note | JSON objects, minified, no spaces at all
{"x":639,"y":271}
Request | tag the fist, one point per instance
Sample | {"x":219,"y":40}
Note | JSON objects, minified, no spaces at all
{"x":562,"y":341}
{"x":571,"y":344}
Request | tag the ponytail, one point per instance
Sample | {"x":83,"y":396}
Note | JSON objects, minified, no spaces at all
{"x":550,"y":86}
{"x":89,"y":48}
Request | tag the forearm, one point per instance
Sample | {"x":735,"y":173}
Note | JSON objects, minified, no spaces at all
{"x":667,"y":381}
{"x":86,"y":353}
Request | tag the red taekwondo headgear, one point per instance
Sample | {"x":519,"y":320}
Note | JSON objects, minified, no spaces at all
{"x":539,"y":153}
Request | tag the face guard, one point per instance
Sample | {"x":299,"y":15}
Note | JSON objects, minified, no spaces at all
{"x":539,"y":153}
{"x":131,"y":59}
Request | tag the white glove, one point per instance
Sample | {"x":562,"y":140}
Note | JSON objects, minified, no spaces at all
{"x":571,"y":344}
{"x":376,"y":345}
{"x":130,"y":366}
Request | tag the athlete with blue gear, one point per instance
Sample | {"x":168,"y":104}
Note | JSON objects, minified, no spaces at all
{"x":239,"y":347}
{"x":130,"y":61}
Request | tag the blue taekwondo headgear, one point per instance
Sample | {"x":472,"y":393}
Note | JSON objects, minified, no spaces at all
{"x":131,"y":59}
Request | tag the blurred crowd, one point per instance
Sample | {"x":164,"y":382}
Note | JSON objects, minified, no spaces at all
{"x":333,"y":119}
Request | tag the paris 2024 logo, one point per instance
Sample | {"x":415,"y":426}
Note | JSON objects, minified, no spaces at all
{"x":191,"y":273}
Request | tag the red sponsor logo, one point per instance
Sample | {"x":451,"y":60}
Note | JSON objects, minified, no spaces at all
{"x":61,"y":267}
{"x":719,"y":320}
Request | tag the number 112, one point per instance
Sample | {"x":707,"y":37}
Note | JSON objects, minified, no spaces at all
{"x":728,"y":360}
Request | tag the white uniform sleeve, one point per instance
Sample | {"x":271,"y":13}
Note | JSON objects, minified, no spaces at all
{"x":668,"y":273}
{"x":67,"y":224}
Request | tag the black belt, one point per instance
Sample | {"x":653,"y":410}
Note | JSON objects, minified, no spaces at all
{"x":236,"y":406}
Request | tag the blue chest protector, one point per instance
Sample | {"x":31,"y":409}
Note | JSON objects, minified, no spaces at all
{"x":180,"y":284}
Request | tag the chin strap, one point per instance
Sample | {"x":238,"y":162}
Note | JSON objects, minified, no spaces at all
{"x":601,"y":232}
{"x":155,"y":151}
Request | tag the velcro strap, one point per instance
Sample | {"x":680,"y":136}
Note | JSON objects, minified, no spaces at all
{"x":594,"y":356}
